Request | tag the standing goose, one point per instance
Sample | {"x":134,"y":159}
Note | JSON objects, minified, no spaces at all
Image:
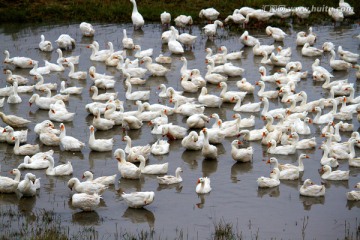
{"x":210,"y":14}
{"x":210,"y":29}
{"x":174,"y":46}
{"x":136,"y":17}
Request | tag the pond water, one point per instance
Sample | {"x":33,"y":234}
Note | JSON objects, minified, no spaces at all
{"x":235,"y":198}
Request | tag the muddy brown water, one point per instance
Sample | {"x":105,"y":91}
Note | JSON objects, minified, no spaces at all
{"x":235,"y":198}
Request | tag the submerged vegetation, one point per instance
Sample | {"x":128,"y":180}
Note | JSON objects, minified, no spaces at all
{"x":44,"y":224}
{"x":55,"y":11}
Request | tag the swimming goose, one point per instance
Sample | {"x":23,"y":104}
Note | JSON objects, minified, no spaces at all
{"x":248,"y":107}
{"x":154,"y":68}
{"x":153,"y":168}
{"x":338,"y":64}
{"x":163,"y":59}
{"x":65,"y":41}
{"x":283,"y":150}
{"x":173,"y":132}
{"x":106,"y":180}
{"x":309,"y":189}
{"x":29,"y":185}
{"x":60,"y":170}
{"x":169,"y":179}
{"x":302,"y":144}
{"x":248,"y":40}
{"x":86,"y":187}
{"x":192,"y":141}
{"x":55,"y":67}
{"x":267,"y":94}
{"x":208,"y":151}
{"x":73,"y":59}
{"x":69,"y":90}
{"x":328,"y":174}
{"x":160,"y":147}
{"x":127,"y":169}
{"x":20,"y":62}
{"x":45,"y":46}
{"x":60,"y":114}
{"x":142,"y":53}
{"x":354,"y":195}
{"x":87,"y":29}
{"x":245,"y":86}
{"x":187,"y":84}
{"x":138,"y":199}
{"x":310,"y":51}
{"x":97,"y":55}
{"x":259,"y":49}
{"x":136,"y":95}
{"x":203,"y":185}
{"x":287,"y":173}
{"x":103,"y":96}
{"x":86,"y":202}
{"x":347,"y":55}
{"x":8,"y":133}
{"x":197,"y":120}
{"x":9,"y":185}
{"x":136,"y":17}
{"x":11,"y":78}
{"x":26,"y":149}
{"x":127,"y":42}
{"x":69,"y":143}
{"x":209,"y":100}
{"x":272,"y":181}
{"x":14,"y":98}
{"x":39,"y":70}
{"x":276,"y":33}
{"x":102,"y":123}
{"x":139,"y":150}
{"x":99,"y":145}
{"x":322,"y":119}
{"x":241,"y":154}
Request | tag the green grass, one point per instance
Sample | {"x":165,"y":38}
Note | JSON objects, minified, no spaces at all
{"x":113,"y":11}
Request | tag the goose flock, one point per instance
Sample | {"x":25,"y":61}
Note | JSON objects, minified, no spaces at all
{"x":292,"y":134}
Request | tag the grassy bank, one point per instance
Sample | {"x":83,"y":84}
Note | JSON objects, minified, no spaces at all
{"x":113,"y":11}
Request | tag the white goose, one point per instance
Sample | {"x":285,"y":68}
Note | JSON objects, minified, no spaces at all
{"x":192,"y":141}
{"x":100,"y":123}
{"x":174,"y":46}
{"x":282,"y":150}
{"x":127,"y":169}
{"x":127,"y":42}
{"x":14,"y":98}
{"x":69,"y":90}
{"x":203,"y":185}
{"x":142,"y":53}
{"x":322,"y":119}
{"x":102,"y":97}
{"x":209,"y":100}
{"x":248,"y":107}
{"x":266,"y":94}
{"x":136,"y":17}
{"x":138,"y":150}
{"x":310,"y":51}
{"x":182,"y":21}
{"x":136,"y":95}
{"x":9,"y":185}
{"x":65,"y":41}
{"x":29,"y":185}
{"x":287,"y":173}
{"x":11,"y":78}
{"x":138,"y":199}
{"x":338,"y":65}
{"x":69,"y":143}
{"x":328,"y":174}
{"x":99,"y":145}
{"x":86,"y":187}
{"x":86,"y":202}
{"x":245,"y":86}
{"x":276,"y":33}
{"x":153,"y":168}
{"x":165,"y":18}
{"x":20,"y":62}
{"x":59,"y":170}
{"x":169,"y":179}
{"x":248,"y":40}
{"x":97,"y":55}
{"x":87,"y":29}
{"x":272,"y":181}
{"x":45,"y":46}
{"x":55,"y":67}
{"x":210,"y":29}
{"x":354,"y":195}
{"x":208,"y":151}
{"x":39,"y":70}
{"x":160,"y":147}
{"x":81,"y":75}
{"x":347,"y":55}
{"x":26,"y":149}
{"x":309,"y":189}
{"x":106,"y":180}
{"x":228,"y":96}
{"x":154,"y":68}
{"x":210,"y":14}
{"x":259,"y":49}
{"x":241,"y":154}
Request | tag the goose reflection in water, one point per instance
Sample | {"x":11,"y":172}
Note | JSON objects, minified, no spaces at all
{"x":140,"y":215}
{"x":86,"y":218}
{"x":272,"y":192}
{"x":239,"y":168}
{"x":309,"y":201}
